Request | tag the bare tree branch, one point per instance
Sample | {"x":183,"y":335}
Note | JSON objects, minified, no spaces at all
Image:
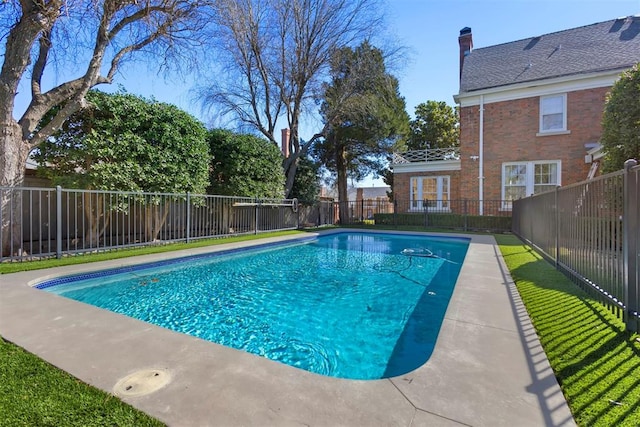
{"x":17,"y":52}
{"x":276,"y":53}
{"x":91,"y":33}
{"x":40,"y":105}
{"x":56,"y":122}
{"x":38,"y":68}
{"x":118,"y":28}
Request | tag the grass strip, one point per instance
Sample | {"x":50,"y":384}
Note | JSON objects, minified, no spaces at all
{"x":83,"y":258}
{"x":35,"y":393}
{"x":596,"y":361}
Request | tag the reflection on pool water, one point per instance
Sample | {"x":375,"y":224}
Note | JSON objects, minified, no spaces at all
{"x":349,"y":305}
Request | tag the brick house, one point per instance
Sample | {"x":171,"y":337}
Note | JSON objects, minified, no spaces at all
{"x":530,"y":116}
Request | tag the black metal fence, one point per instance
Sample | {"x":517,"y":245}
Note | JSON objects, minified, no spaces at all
{"x":461,"y":215}
{"x":47,"y":222}
{"x":51,"y":222}
{"x":591,"y":231}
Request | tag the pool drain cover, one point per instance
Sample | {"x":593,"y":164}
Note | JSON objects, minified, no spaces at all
{"x":142,"y":382}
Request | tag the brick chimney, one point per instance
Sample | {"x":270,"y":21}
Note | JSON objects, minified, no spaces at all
{"x":466,"y":45}
{"x":286,"y":134}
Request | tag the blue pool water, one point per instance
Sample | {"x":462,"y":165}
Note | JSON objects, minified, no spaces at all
{"x":349,"y":305}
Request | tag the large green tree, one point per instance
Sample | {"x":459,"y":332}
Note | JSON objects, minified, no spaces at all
{"x":128,"y":143}
{"x":435,"y":126}
{"x":365,"y":115}
{"x":125,"y":142}
{"x":244,"y":165}
{"x":621,"y":121}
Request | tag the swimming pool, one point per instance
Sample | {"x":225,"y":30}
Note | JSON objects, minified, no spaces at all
{"x":350,"y":305}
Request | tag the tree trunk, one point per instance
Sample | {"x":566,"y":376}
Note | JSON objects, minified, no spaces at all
{"x":343,"y":198}
{"x":97,"y":216}
{"x":290,"y":169}
{"x":13,"y":157}
{"x":155,"y":220}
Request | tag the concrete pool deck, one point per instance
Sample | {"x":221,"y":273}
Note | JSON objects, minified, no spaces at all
{"x":487,"y":369}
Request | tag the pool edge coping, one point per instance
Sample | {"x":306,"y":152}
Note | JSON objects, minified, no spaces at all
{"x":396,"y":382}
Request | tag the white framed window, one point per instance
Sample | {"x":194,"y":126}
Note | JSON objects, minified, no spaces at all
{"x":430,"y":193}
{"x":553,"y":113}
{"x":522,"y":179}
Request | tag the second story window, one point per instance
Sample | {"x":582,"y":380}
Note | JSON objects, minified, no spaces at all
{"x":553,"y":113}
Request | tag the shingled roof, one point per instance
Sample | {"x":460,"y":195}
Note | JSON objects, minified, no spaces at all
{"x":605,"y":46}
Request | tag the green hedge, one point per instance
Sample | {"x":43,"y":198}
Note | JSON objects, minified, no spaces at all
{"x":447,"y":220}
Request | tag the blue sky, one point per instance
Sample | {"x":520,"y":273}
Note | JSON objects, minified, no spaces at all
{"x":429,"y":29}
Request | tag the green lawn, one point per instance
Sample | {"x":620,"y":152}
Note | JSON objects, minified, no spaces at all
{"x":596,"y":361}
{"x":33,"y":393}
{"x":14,"y":267}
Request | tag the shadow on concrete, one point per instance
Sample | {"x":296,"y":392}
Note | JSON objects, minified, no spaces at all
{"x":542,"y":376}
{"x":595,"y":345}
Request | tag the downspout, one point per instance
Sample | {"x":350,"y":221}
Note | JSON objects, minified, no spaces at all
{"x":481,"y":157}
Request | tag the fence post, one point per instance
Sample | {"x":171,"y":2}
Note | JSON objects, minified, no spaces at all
{"x":58,"y":222}
{"x":395,"y":212}
{"x":425,"y":206}
{"x":465,"y":213}
{"x":188,"y":212}
{"x":556,"y":226}
{"x":255,"y":230}
{"x":630,"y":243}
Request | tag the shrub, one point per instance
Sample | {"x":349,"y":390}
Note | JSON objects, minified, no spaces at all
{"x":446,"y":220}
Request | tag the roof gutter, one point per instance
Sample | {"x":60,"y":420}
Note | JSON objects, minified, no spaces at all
{"x":592,"y":80}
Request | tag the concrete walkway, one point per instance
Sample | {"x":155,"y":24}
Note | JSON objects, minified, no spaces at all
{"x":488,"y":368}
